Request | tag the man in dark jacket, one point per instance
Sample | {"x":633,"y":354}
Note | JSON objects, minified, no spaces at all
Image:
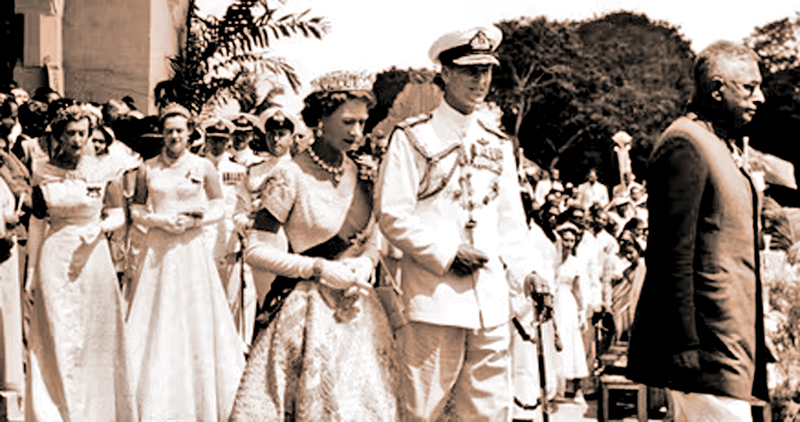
{"x":699,"y":327}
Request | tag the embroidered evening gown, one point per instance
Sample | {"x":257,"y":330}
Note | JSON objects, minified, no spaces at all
{"x":323,"y":357}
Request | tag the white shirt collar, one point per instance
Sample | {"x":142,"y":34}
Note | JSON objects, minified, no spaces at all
{"x":454,"y":118}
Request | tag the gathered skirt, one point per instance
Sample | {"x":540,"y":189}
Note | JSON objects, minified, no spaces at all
{"x":185,"y":354}
{"x":323,"y":358}
{"x":78,"y":368}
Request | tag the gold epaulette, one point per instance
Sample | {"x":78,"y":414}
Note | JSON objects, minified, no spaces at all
{"x":493,"y":130}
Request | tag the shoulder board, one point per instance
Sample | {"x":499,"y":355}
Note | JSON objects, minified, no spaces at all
{"x":495,"y":131}
{"x":413,"y":121}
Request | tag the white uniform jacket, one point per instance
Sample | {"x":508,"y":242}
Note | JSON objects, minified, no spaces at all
{"x":443,"y":173}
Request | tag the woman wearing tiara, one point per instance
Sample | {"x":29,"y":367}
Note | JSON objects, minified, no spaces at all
{"x":184,"y":350}
{"x":324,"y":351}
{"x":77,"y":368}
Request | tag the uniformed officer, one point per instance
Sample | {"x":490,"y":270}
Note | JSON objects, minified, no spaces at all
{"x":227,"y":235}
{"x":448,"y":198}
{"x":267,"y":145}
{"x":279,"y":130}
{"x":246,"y":130}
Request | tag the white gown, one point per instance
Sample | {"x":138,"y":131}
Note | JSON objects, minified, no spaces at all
{"x":184,"y":350}
{"x":572,"y":357}
{"x":77,"y":366}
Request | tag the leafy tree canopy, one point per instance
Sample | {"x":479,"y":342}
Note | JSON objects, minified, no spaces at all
{"x":567,"y":87}
{"x":776,"y":126}
{"x":223,"y":57}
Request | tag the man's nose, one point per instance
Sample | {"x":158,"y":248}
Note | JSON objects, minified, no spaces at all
{"x":758,"y":96}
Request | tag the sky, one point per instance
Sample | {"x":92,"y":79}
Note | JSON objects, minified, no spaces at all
{"x":374,"y":35}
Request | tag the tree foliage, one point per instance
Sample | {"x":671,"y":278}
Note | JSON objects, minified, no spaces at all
{"x":567,"y":87}
{"x":223,"y":57}
{"x":776,"y":126}
{"x":777,"y":43}
{"x":388,"y":85}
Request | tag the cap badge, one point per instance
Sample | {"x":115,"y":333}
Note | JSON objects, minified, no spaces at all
{"x":480,"y":42}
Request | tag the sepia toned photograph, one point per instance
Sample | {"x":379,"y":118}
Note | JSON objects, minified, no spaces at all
{"x":410,"y":211}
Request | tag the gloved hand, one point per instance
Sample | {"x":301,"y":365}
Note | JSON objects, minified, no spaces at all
{"x":335,"y":274}
{"x":362,"y":268}
{"x":173,"y":223}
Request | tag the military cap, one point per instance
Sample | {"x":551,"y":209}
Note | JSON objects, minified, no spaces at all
{"x":470,"y":47}
{"x":218,"y":128}
{"x":244,"y":122}
{"x":276,"y":118}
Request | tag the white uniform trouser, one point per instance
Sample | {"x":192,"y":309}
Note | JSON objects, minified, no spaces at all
{"x":696,"y":407}
{"x":475,"y":365}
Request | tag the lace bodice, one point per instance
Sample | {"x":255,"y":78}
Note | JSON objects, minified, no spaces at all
{"x":72,"y":196}
{"x":179,"y":187}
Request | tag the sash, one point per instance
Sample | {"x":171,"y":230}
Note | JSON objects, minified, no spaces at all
{"x":356,"y":230}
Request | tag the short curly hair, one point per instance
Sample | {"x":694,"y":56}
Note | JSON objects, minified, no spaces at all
{"x":324,"y":103}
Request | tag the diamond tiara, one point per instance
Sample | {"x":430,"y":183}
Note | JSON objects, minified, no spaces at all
{"x":343,"y":81}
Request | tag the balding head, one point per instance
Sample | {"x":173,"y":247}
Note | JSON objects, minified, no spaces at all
{"x":728,"y":82}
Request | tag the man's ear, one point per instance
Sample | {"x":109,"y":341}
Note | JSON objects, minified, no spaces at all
{"x":716,"y":88}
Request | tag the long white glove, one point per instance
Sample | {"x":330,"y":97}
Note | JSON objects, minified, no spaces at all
{"x":173,"y":222}
{"x":334,"y":274}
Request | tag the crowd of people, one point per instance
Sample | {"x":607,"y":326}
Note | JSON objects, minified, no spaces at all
{"x":281,"y":268}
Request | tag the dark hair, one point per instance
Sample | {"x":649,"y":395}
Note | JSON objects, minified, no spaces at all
{"x":33,"y":118}
{"x":576,"y":233}
{"x":6,"y":104}
{"x":106,"y":134}
{"x":439,"y":81}
{"x":41,"y":94}
{"x":628,"y":238}
{"x":57,"y":105}
{"x":633,"y":224}
{"x":324,"y":103}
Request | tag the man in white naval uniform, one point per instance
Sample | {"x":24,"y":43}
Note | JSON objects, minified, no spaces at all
{"x":226,"y":234}
{"x":265,"y":150}
{"x":448,"y":198}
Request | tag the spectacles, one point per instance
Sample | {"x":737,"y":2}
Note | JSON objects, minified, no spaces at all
{"x":749,"y":88}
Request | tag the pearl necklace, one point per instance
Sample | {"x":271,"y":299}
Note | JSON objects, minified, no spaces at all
{"x":335,"y":171}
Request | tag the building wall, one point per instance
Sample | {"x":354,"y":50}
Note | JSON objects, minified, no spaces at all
{"x":106,"y":49}
{"x":167,"y":34}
